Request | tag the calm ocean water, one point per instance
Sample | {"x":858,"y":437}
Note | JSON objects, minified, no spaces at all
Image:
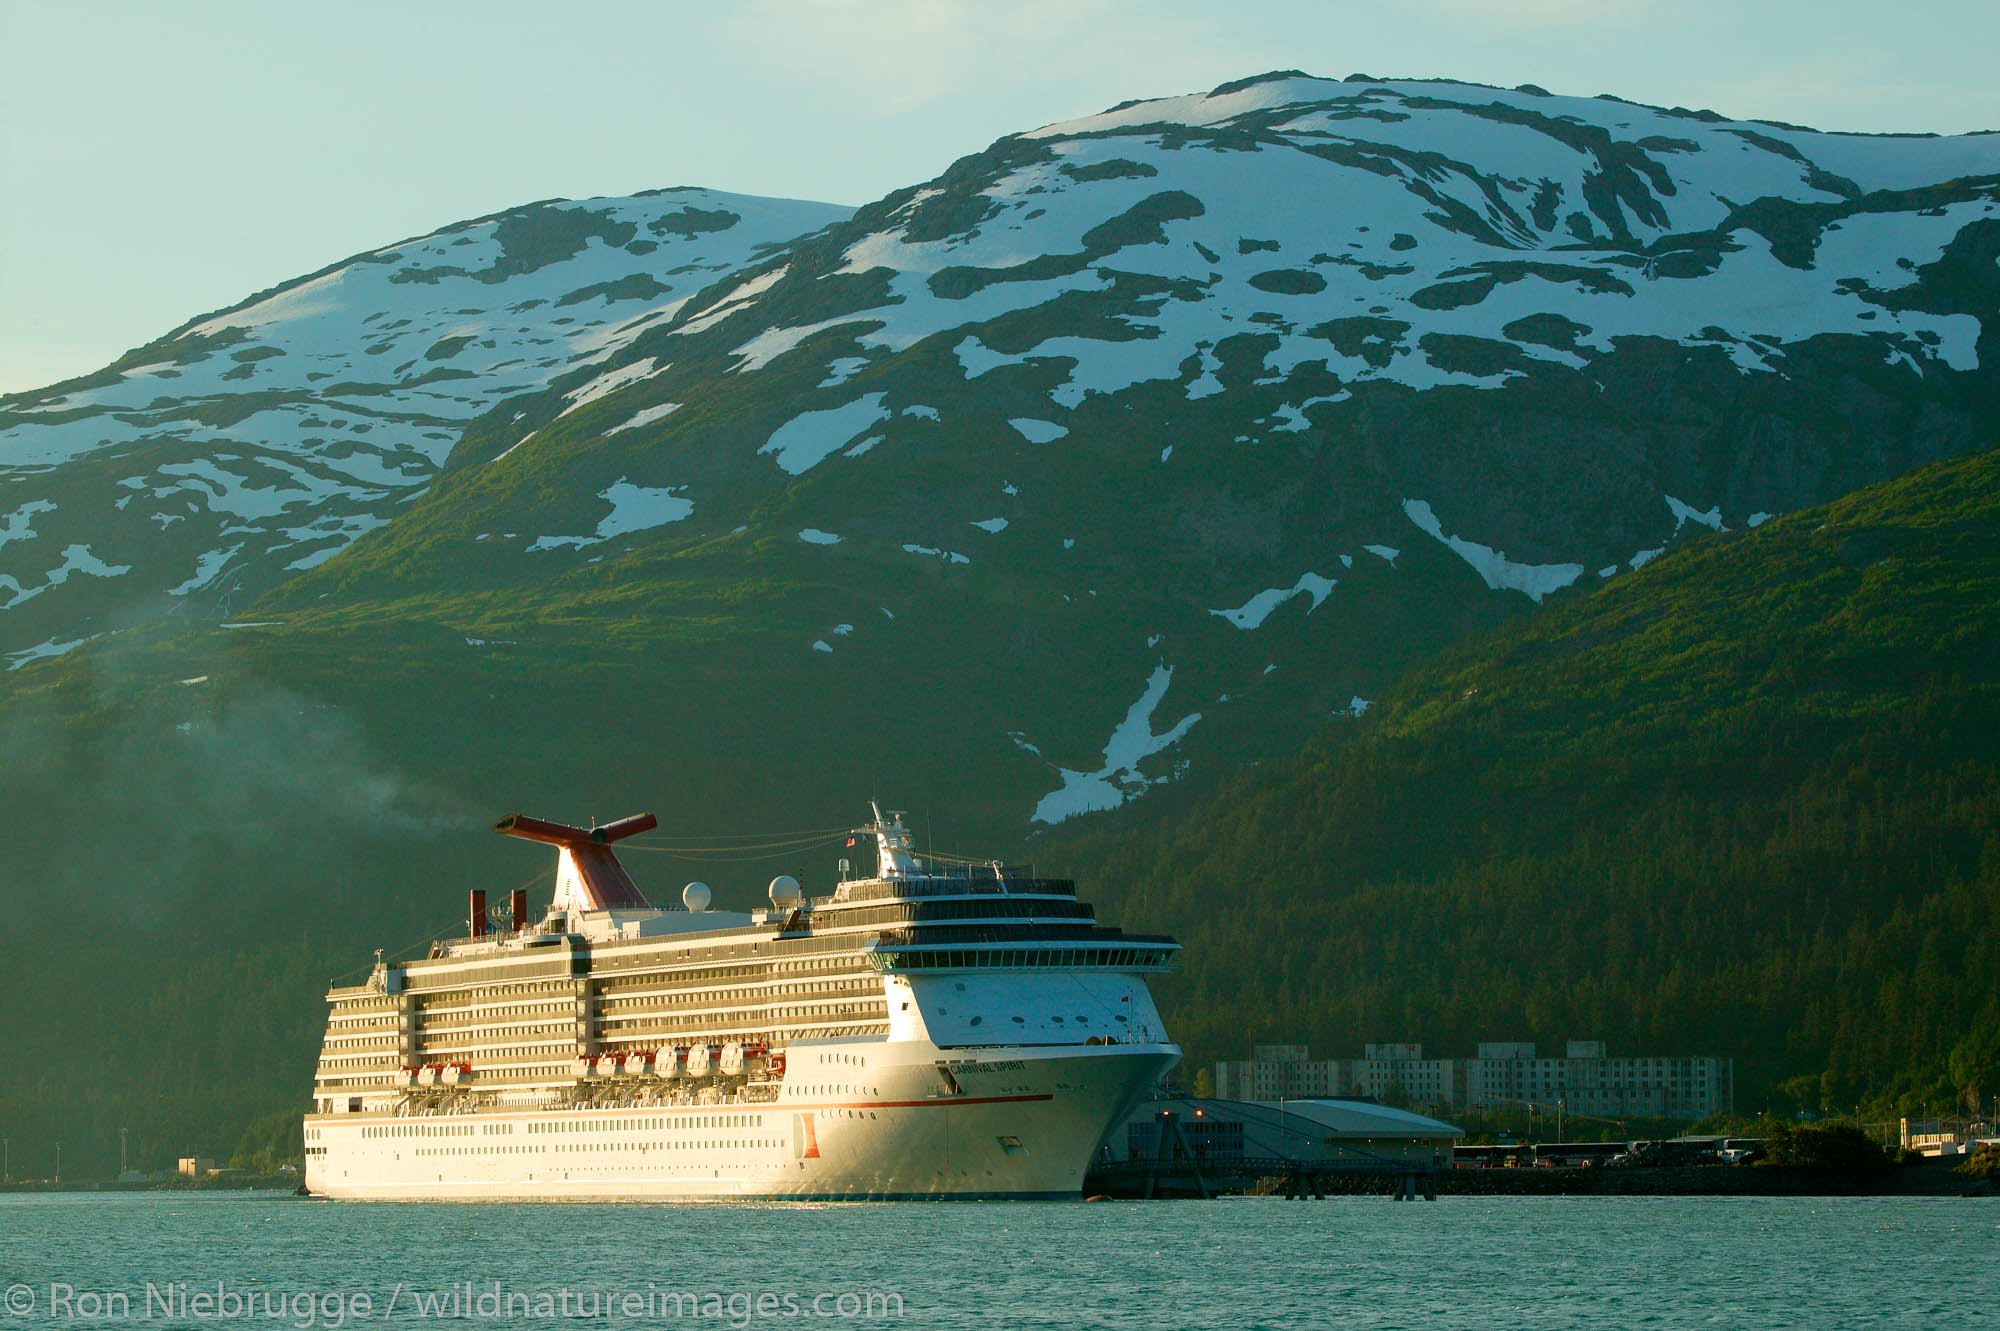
{"x":268,"y":1260}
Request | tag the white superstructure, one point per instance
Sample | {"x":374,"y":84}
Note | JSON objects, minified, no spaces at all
{"x":952,"y":1031}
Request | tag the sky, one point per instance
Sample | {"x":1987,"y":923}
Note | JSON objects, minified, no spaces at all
{"x":158,"y":161}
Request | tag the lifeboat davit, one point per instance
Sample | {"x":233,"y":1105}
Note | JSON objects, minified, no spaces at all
{"x":580,"y":1066}
{"x":607,"y":1065}
{"x":427,"y":1075}
{"x":638,"y":1063}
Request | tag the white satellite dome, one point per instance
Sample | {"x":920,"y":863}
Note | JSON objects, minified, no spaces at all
{"x":696,"y":896}
{"x":785,"y":892}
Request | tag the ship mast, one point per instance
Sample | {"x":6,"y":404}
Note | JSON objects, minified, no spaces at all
{"x":894,"y":857}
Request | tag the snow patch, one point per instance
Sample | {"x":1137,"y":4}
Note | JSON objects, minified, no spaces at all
{"x":808,"y":439}
{"x":1132,"y":741}
{"x":948,"y":556}
{"x":45,"y":649}
{"x":76,"y":559}
{"x":644,"y":417}
{"x":609,"y":382}
{"x":993,"y":525}
{"x":840,"y":371}
{"x":1253,"y":612}
{"x":1684,"y":513}
{"x":1292,"y":416}
{"x":735,"y":301}
{"x":814,"y":536}
{"x":633,"y":508}
{"x":14,"y":526}
{"x":1206,"y":383}
{"x":205,"y":570}
{"x":1386,"y":553}
{"x":1038,"y":431}
{"x":1494,"y":568}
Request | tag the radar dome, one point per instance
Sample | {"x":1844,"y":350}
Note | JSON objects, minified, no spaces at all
{"x":785,"y":893}
{"x":696,"y":896}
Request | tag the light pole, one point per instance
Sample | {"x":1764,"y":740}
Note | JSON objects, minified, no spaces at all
{"x":58,"y":1164}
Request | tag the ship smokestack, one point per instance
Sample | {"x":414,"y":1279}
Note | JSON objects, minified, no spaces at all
{"x":477,"y":909}
{"x":517,"y":905}
{"x":600,"y":881}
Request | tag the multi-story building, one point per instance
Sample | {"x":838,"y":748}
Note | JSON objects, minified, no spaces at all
{"x":1585,"y":1080}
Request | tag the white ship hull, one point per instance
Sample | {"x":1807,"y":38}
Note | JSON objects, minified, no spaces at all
{"x":855,"y":1120}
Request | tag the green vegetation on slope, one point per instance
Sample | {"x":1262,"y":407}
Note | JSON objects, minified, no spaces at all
{"x":1741,"y":802}
{"x":1745,"y":802}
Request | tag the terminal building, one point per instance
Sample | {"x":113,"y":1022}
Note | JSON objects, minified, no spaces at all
{"x":1502,"y":1075}
{"x":1345,"y":1135}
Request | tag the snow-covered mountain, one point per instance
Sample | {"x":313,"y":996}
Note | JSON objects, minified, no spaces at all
{"x":265,"y":438}
{"x":1202,"y":416}
{"x":1473,"y":283}
{"x":1370,"y":229}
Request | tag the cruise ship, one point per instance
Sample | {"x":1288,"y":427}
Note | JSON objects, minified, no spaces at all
{"x":941,"y":1030}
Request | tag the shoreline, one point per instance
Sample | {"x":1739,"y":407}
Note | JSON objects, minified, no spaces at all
{"x":1924,"y":1179}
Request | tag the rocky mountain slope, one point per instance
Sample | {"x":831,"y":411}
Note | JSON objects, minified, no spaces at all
{"x":1742,"y":802}
{"x":1134,"y":446}
{"x":1207,"y":414}
{"x":251,"y":443}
